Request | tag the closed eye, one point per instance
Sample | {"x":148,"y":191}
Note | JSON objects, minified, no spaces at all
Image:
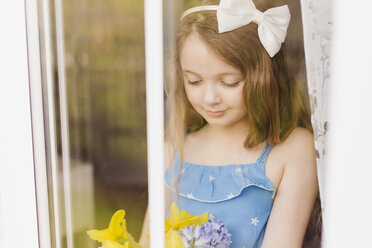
{"x":230,"y":85}
{"x":193,"y":82}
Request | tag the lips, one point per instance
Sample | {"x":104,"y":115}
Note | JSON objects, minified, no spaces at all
{"x":215,"y":113}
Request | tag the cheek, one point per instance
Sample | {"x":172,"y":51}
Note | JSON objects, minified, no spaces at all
{"x":191,"y":95}
{"x":236,"y":98}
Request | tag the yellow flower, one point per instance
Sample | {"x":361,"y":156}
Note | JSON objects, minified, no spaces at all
{"x":173,"y":239}
{"x":116,"y":235}
{"x":178,"y":221}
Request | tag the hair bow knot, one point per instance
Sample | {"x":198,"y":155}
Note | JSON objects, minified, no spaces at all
{"x":258,"y":17}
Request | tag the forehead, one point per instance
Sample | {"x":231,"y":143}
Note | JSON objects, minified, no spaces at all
{"x":196,"y":56}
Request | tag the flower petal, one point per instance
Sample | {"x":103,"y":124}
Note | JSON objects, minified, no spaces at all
{"x":184,"y":214}
{"x":100,"y":236}
{"x":173,"y":239}
{"x":204,"y":218}
{"x":132,"y":242}
{"x":175,"y":213}
{"x":192,"y":220}
{"x":124,"y":234}
{"x":115,"y":227}
{"x":113,"y":244}
{"x":178,"y":221}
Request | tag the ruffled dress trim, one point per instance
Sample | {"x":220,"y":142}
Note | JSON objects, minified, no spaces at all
{"x":206,"y":183}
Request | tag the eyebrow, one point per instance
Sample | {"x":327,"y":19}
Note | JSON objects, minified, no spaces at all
{"x":221,"y":74}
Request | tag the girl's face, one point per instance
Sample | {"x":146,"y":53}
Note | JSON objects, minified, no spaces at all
{"x":214,"y":88}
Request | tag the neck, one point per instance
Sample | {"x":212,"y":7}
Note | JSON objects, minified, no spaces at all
{"x":228,"y":134}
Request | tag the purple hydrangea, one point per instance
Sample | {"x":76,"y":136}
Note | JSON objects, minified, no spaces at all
{"x":211,"y":234}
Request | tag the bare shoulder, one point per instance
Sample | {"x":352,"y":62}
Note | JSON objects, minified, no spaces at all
{"x":299,"y":148}
{"x":299,"y":160}
{"x":300,"y":136}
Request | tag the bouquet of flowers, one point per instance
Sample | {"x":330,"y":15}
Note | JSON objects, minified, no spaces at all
{"x":181,"y":231}
{"x":186,"y":231}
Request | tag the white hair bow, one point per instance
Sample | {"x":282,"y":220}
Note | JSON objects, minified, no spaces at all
{"x":232,"y":14}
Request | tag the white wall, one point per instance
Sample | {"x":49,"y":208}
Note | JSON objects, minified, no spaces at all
{"x":18,"y":220}
{"x":349,"y":164}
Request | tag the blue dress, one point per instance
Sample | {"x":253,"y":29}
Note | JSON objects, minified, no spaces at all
{"x":240,"y":195}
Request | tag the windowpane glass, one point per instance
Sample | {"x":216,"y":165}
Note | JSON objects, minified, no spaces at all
{"x":105,"y":79}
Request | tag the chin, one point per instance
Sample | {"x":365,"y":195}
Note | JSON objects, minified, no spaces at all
{"x":218,"y":122}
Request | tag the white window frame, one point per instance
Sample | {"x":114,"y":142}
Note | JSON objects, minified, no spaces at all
{"x":27,"y":128}
{"x":18,"y":213}
{"x":155,"y":120}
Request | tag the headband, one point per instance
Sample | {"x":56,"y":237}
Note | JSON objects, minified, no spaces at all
{"x":233,"y":14}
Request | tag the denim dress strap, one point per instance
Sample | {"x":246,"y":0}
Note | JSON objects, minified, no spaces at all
{"x":265,"y":152}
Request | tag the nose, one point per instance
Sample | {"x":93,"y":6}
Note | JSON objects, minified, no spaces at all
{"x":211,"y":95}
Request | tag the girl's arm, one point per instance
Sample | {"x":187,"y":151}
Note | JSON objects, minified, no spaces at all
{"x":295,"y":195}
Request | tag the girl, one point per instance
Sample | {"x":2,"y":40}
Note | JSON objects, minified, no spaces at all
{"x":239,"y":134}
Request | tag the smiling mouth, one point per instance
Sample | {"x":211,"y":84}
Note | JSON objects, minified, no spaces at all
{"x":215,"y":113}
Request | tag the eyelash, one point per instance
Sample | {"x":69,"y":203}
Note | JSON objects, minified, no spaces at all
{"x":230,"y":85}
{"x":223,"y":83}
{"x":193,"y":82}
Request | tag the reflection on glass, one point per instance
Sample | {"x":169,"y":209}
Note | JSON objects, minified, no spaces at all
{"x":105,"y":80}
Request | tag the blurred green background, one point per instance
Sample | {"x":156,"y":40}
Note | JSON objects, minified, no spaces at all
{"x":105,"y":75}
